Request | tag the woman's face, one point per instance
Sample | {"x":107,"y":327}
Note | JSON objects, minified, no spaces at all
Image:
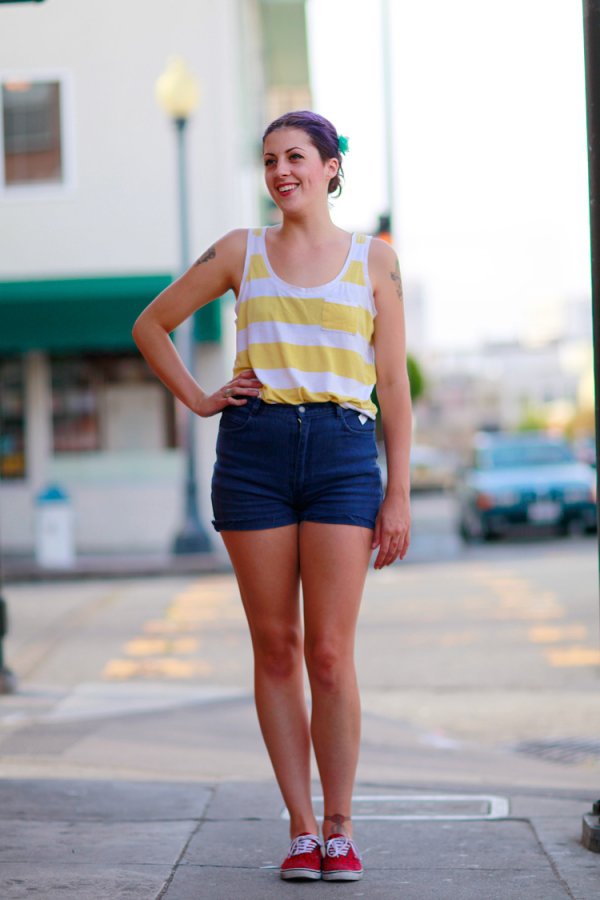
{"x":295,"y":174}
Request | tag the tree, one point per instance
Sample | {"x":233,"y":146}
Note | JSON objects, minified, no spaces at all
{"x":415,"y":377}
{"x":416,"y":380}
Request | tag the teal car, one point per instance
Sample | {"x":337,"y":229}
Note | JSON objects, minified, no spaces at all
{"x":517,"y":480}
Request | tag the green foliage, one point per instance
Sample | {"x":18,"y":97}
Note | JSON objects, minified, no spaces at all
{"x":533,"y":419}
{"x":415,"y":378}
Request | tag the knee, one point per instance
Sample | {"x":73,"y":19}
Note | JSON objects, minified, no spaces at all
{"x":278,"y":654}
{"x":328,"y":666}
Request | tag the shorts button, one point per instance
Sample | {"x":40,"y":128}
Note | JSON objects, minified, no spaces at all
{"x":301,"y":409}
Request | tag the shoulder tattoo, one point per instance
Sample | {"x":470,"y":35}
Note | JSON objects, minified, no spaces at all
{"x":210,"y":254}
{"x":395,"y":276}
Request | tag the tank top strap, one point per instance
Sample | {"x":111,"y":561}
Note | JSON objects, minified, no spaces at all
{"x":256,"y":241}
{"x":255,"y":265}
{"x":360,"y":247}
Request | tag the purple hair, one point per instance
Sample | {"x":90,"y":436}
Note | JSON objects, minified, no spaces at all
{"x":322,"y":135}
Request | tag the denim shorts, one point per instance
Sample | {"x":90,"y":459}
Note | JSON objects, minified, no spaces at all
{"x":280,"y":464}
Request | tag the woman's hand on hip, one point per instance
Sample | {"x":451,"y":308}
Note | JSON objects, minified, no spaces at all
{"x":234,"y":393}
{"x":392,"y":530}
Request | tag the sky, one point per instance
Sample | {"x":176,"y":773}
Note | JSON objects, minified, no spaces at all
{"x":490,"y":153}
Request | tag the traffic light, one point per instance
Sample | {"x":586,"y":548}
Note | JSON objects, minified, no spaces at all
{"x":384,"y":229}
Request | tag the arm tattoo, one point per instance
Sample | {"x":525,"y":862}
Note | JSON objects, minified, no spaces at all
{"x":395,"y":276}
{"x":210,"y":254}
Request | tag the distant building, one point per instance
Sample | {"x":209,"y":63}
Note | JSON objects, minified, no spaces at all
{"x":498,"y":385}
{"x":88,"y":217}
{"x":414,"y":310}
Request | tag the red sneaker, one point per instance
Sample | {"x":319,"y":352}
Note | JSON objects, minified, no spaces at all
{"x":342,"y":860}
{"x":304,"y":858}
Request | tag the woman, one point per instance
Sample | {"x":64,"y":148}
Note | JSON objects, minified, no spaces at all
{"x":296,"y":487}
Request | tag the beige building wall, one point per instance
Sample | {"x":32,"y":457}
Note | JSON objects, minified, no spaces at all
{"x":117,"y":214}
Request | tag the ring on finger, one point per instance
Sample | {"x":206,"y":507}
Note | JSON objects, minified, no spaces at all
{"x":227,"y":392}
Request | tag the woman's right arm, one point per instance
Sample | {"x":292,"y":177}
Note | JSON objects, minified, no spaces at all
{"x":218,"y":270}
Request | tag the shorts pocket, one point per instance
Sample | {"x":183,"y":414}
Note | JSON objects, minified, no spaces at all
{"x":235,"y":418}
{"x":355,"y":422}
{"x":339,"y":317}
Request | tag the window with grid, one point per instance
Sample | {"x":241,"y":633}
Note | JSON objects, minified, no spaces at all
{"x":32,"y":133}
{"x":109,"y":402}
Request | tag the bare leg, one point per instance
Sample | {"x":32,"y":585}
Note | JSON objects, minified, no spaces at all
{"x":266,"y":566}
{"x":333,"y":562}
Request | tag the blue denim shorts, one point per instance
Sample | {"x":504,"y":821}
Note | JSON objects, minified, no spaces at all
{"x":279,"y":464}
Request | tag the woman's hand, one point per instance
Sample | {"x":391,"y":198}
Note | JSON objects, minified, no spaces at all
{"x":392,"y":530}
{"x":246,"y":384}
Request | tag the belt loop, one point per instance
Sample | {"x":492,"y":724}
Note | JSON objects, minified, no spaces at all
{"x":338,"y":410}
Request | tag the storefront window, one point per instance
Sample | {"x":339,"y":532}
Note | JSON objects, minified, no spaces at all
{"x":109,"y":403}
{"x":12,"y":419}
{"x":75,"y":423}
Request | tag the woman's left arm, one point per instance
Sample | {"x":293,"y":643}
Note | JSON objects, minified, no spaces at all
{"x":392,"y":529}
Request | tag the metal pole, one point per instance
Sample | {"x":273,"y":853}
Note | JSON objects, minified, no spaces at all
{"x":388,"y":112}
{"x":591,"y":39}
{"x":8,"y":681}
{"x":193,"y":538}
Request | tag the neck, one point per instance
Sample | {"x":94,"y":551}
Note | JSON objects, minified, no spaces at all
{"x":313,"y":225}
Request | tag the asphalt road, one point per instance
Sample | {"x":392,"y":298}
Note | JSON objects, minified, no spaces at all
{"x":131,"y":762}
{"x":492,"y":643}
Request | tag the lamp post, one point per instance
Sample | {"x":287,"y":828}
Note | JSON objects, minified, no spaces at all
{"x":178,"y":94}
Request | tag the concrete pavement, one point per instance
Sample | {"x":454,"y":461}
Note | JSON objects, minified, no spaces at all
{"x":87,"y":840}
{"x":177,"y":801}
{"x":148,"y":787}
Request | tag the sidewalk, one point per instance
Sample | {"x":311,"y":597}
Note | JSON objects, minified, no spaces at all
{"x":155,"y":788}
{"x":167,"y":794}
{"x":433,"y":538}
{"x":115,"y":565}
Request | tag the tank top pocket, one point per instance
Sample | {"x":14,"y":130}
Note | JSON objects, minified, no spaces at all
{"x":339,"y":317}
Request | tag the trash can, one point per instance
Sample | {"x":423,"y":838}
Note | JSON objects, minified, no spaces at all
{"x":54,"y":537}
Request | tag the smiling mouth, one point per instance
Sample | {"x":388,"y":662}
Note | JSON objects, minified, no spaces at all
{"x":286,"y":189}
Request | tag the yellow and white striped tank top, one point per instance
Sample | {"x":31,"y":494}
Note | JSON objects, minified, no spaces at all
{"x":308,"y":345}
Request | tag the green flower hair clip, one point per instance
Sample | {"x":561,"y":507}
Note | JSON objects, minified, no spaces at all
{"x":343,"y":144}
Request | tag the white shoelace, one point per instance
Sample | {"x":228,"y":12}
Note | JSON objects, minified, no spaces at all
{"x":340,"y":846}
{"x":304,"y":843}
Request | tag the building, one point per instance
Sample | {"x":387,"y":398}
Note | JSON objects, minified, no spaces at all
{"x":89,"y":224}
{"x":502,"y":386}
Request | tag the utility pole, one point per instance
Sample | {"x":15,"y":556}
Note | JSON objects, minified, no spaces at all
{"x":387,"y":222}
{"x":591,"y":39}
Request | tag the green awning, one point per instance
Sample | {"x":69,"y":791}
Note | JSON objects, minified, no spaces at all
{"x":85,"y":313}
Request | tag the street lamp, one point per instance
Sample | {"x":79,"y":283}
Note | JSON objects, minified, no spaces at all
{"x":178,"y":94}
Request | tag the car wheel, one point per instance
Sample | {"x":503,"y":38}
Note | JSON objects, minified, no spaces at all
{"x":467,"y":534}
{"x":464,"y":532}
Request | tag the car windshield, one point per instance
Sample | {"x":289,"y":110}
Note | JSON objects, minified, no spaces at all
{"x":509,"y":456}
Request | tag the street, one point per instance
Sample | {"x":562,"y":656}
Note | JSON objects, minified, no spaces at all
{"x":490,"y":643}
{"x":478,"y":669}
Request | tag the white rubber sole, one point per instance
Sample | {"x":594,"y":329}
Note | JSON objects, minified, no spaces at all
{"x":342,"y":875}
{"x":291,"y":874}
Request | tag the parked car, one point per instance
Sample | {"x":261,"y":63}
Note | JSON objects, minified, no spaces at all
{"x":530,"y":479}
{"x":585,"y":450}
